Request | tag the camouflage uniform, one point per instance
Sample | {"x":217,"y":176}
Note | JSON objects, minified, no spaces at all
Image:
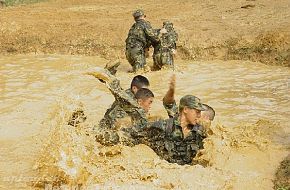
{"x":77,"y":117}
{"x":163,"y":55}
{"x":139,"y":38}
{"x":169,"y":142}
{"x":165,"y":137}
{"x":115,"y":112}
{"x":125,"y":104}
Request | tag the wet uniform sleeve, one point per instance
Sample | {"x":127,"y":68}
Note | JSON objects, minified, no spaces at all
{"x":160,"y":124}
{"x":128,"y":104}
{"x":175,"y":39}
{"x":171,"y":109}
{"x":151,"y":33}
{"x":172,"y":40}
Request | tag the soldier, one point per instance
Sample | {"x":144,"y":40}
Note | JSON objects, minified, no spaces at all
{"x":140,"y":36}
{"x":207,"y":115}
{"x":166,"y":48}
{"x":178,"y":138}
{"x":116,"y":111}
{"x":206,"y":118}
{"x":127,"y":102}
{"x":137,"y":112}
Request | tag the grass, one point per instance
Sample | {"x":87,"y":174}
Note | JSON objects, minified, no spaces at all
{"x":19,"y":2}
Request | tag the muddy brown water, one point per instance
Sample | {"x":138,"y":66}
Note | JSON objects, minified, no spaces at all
{"x":39,"y":92}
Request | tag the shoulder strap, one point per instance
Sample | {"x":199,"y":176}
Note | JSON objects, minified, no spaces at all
{"x":169,"y":125}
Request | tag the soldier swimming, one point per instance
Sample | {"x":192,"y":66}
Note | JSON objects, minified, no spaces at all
{"x":181,"y":136}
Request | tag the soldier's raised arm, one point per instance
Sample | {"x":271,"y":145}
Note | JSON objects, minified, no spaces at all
{"x":129,"y":105}
{"x":151,"y":33}
{"x":169,"y":102}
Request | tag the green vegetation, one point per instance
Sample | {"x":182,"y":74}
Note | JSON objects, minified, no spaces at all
{"x":17,"y":2}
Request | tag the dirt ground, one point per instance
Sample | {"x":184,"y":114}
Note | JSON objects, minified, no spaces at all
{"x":95,"y":31}
{"x":256,"y":30}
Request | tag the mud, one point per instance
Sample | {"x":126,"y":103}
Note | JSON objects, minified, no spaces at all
{"x":41,"y":89}
{"x":75,"y":159}
{"x":250,"y":135}
{"x":207,"y":29}
{"x":282,"y":180}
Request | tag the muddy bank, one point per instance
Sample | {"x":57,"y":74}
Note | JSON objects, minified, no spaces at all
{"x":271,"y":48}
{"x":239,"y":30}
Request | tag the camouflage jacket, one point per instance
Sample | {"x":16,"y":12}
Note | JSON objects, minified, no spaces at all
{"x":167,"y":42}
{"x":166,"y":138}
{"x":171,"y":144}
{"x":125,"y":104}
{"x":141,"y":34}
{"x":115,"y":112}
{"x":171,"y":108}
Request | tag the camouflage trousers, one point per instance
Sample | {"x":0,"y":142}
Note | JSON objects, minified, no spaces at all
{"x":161,"y":59}
{"x":110,"y":137}
{"x":136,"y":57}
{"x":105,"y":136}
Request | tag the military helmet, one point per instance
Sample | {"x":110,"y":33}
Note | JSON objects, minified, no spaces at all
{"x":167,"y":23}
{"x":138,"y":13}
{"x":191,"y":102}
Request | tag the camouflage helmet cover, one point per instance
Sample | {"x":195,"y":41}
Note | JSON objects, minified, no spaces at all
{"x":191,"y":102}
{"x":167,"y":23}
{"x":138,"y":13}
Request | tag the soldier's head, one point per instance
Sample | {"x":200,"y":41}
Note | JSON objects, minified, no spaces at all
{"x":139,"y":82}
{"x":190,"y":109}
{"x":145,"y":98}
{"x":138,"y":14}
{"x":208,"y":114}
{"x":168,"y":25}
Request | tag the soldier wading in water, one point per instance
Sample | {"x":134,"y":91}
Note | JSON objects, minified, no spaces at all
{"x":178,"y":138}
{"x":140,"y":37}
{"x":165,"y":48}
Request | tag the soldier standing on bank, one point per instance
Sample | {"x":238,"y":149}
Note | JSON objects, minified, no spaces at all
{"x":140,"y":37}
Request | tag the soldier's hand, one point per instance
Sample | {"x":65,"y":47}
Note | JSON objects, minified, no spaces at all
{"x":172,"y":83}
{"x":173,"y":51}
{"x":163,"y":31}
{"x":169,"y":96}
{"x":102,"y":74}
